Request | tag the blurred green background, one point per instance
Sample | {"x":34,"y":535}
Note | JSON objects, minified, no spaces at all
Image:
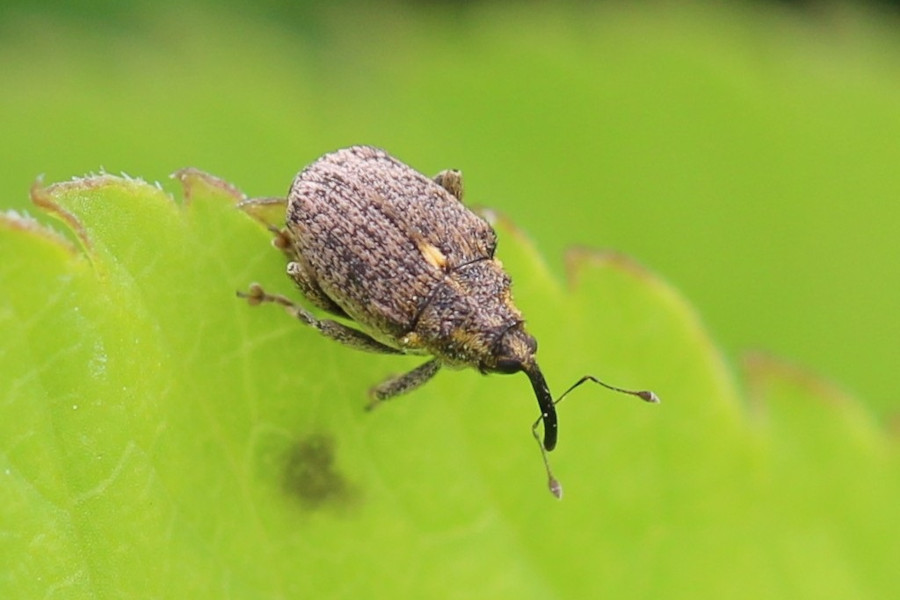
{"x":747,"y":152}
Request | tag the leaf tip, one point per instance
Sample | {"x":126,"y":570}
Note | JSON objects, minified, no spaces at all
{"x":777,"y":387}
{"x":578,"y":258}
{"x":42,"y":197}
{"x":760,"y":368}
{"x":268,"y":211}
{"x":194,"y":181}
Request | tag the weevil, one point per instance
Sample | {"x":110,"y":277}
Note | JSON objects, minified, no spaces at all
{"x":378,"y":244}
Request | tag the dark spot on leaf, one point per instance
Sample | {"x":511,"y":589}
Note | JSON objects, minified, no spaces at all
{"x":310,"y":474}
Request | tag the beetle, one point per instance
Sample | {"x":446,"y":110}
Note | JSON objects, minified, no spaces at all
{"x":371,"y":240}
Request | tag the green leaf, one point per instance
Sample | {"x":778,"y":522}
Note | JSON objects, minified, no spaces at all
{"x":161,"y":438}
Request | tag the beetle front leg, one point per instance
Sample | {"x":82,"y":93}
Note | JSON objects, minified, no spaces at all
{"x":330,"y":329}
{"x":401,"y":384}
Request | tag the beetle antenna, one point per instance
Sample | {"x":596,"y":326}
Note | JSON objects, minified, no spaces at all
{"x":552,"y":482}
{"x":645,"y":395}
{"x":549,"y":417}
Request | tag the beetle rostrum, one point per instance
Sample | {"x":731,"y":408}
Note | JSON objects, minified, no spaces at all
{"x":380,"y":245}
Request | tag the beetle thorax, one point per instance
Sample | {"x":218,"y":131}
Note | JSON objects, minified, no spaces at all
{"x":468,"y":315}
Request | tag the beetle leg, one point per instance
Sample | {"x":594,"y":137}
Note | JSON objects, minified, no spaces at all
{"x":330,"y":329}
{"x":311,"y":290}
{"x":451,"y":180}
{"x":400,"y":384}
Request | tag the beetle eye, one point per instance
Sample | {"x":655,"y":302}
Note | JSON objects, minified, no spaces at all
{"x":508,"y":366}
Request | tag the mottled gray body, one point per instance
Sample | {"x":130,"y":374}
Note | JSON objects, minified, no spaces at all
{"x":400,"y":255}
{"x":370,"y":239}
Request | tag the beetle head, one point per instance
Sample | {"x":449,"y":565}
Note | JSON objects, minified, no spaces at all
{"x":514,"y":352}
